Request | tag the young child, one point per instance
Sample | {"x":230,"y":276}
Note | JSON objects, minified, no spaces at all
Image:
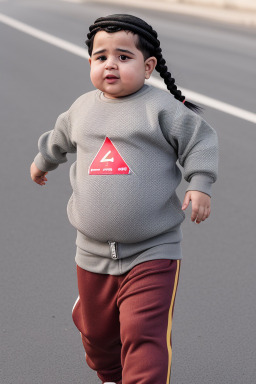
{"x":128,"y":137}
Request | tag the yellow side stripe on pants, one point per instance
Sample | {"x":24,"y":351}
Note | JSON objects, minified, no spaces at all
{"x":169,"y":329}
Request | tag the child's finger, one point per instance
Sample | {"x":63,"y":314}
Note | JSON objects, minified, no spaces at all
{"x":40,"y":180}
{"x":195,"y":209}
{"x":43,"y":180}
{"x":206,"y":214}
{"x":186,"y":201}
{"x":200,"y":215}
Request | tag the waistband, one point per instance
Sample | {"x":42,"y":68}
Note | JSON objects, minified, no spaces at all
{"x":114,"y":250}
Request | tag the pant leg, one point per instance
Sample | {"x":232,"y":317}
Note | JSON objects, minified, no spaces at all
{"x":97,"y":317}
{"x":146,"y":301}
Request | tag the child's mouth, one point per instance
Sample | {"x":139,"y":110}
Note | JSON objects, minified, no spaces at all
{"x":111,"y":79}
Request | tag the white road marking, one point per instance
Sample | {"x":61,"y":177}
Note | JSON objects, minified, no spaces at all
{"x":81,"y":52}
{"x":46,"y":37}
{"x":210,"y":102}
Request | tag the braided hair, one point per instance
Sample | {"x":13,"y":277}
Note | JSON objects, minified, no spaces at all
{"x":147,"y":43}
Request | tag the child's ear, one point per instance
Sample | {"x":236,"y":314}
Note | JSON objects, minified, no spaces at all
{"x":150,"y":65}
{"x":90,"y":61}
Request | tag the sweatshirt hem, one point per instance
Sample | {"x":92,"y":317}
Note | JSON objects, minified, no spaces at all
{"x":98,"y":264}
{"x":97,"y":257}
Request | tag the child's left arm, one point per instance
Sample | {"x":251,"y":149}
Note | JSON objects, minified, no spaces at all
{"x":201,"y":205}
{"x":196,"y":145}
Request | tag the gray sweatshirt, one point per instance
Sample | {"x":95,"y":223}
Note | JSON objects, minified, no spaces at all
{"x":125,"y":175}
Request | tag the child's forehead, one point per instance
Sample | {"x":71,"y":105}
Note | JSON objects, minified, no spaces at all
{"x":103,"y":39}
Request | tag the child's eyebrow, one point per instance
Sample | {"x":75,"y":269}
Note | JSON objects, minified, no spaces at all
{"x":101,"y":51}
{"x":117,"y":49}
{"x":125,"y":51}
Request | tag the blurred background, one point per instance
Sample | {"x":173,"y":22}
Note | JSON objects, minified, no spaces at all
{"x":210,"y":49}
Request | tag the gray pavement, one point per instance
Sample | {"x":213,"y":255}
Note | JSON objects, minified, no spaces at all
{"x":214,"y":334}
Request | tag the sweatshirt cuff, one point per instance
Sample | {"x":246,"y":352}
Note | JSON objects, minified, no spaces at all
{"x":43,"y":164}
{"x":201,"y":183}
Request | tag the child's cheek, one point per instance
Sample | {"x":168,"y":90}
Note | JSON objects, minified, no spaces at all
{"x":95,"y":75}
{"x":93,"y":78}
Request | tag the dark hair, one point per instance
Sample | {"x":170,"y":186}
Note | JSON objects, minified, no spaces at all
{"x":147,"y":43}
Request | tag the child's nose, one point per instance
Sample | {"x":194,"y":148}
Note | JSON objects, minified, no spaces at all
{"x":111,"y":64}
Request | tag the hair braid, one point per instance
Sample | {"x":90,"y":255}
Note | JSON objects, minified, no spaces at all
{"x":167,"y":76}
{"x":148,"y":44}
{"x":162,"y":68}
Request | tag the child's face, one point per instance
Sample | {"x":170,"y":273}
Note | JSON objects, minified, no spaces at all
{"x":117,"y":67}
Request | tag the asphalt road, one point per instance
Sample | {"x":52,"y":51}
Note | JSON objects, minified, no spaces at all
{"x":214,"y":331}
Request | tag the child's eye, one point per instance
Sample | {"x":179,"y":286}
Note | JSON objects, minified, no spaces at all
{"x":123,"y":57}
{"x":101,"y":58}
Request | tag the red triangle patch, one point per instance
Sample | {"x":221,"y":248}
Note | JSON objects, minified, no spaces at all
{"x":108,"y":161}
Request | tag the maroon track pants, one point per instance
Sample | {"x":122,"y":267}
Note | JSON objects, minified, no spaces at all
{"x":125,"y":322}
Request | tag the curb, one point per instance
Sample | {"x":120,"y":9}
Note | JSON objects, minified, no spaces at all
{"x":214,"y":10}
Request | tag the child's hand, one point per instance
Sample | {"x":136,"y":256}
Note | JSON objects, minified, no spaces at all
{"x":201,"y":205}
{"x":37,"y":176}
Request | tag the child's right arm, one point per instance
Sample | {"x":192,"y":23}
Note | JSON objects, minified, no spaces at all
{"x":53,"y":148}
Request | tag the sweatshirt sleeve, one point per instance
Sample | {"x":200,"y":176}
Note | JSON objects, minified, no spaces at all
{"x":196,"y":145}
{"x":54,"y":145}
